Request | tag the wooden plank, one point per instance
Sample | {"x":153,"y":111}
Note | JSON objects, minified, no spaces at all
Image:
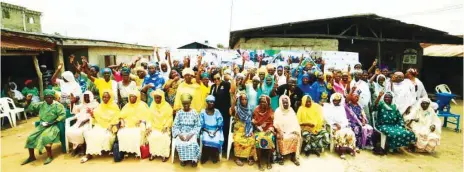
{"x":346,"y":30}
{"x":20,"y":54}
{"x":372,"y":31}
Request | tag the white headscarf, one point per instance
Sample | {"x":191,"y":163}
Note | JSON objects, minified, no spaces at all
{"x":335,"y":114}
{"x":426,"y":118}
{"x":71,"y":86}
{"x":286,"y":119}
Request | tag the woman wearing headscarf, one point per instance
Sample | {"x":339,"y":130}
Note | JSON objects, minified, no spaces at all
{"x":311,"y":120}
{"x":171,"y":86}
{"x":211,"y":131}
{"x":50,"y":113}
{"x":153,"y":80}
{"x":358,"y":121}
{"x":263,"y":120}
{"x":69,"y":87}
{"x":133,"y":118}
{"x":426,"y":126}
{"x":320,"y":92}
{"x":252,"y":92}
{"x":90,"y":85}
{"x":288,"y":130}
{"x":305,"y":85}
{"x":105,"y":83}
{"x":335,"y":116}
{"x":192,"y":87}
{"x":186,"y":130}
{"x":125,"y":87}
{"x":379,"y":85}
{"x":30,"y":89}
{"x":244,"y":141}
{"x":159,"y":131}
{"x":364,"y":93}
{"x":82,"y":112}
{"x":390,"y":122}
{"x":419,"y":89}
{"x":337,"y":85}
{"x":101,"y":136}
{"x":404,"y":93}
{"x":268,"y":87}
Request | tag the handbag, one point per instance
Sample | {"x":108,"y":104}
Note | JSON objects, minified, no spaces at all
{"x":117,"y":155}
{"x":144,"y":151}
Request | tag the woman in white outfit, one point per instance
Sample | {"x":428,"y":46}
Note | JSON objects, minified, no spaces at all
{"x":75,"y":133}
{"x":426,"y":126}
{"x":419,"y":89}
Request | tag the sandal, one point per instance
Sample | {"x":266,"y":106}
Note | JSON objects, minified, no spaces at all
{"x":84,"y":159}
{"x":182,"y":163}
{"x":28,"y":160}
{"x":151,"y":158}
{"x":296,"y":162}
{"x":343,"y":157}
{"x":281,"y":162}
{"x":164,"y":159}
{"x":194,"y":164}
{"x":269,"y":166}
{"x":260,"y":168}
{"x":251,"y":162}
{"x":238,"y":162}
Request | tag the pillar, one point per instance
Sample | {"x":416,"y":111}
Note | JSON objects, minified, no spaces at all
{"x":39,"y":75}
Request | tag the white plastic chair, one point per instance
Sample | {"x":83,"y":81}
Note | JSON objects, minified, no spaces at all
{"x":7,"y":104}
{"x":383,"y":137}
{"x":443,"y":88}
{"x":331,"y":137}
{"x":231,"y":137}
{"x":3,"y":113}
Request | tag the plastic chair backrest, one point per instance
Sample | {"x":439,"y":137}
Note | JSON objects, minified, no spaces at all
{"x":443,"y":100}
{"x":442,"y":88}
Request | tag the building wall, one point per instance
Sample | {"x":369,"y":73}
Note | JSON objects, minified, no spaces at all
{"x":288,"y":44}
{"x":12,"y":18}
{"x":97,"y":54}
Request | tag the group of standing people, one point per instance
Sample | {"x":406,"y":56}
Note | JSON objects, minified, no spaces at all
{"x":274,"y":111}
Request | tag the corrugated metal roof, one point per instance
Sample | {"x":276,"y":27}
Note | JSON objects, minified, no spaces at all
{"x":19,"y":43}
{"x":443,"y":50}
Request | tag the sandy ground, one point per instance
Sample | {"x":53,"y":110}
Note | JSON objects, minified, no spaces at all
{"x":449,"y":157}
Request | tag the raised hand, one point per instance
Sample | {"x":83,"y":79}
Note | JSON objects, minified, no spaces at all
{"x":71,"y":58}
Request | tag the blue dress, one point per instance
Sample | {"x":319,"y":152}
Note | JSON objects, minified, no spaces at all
{"x":157,"y":80}
{"x":211,"y":123}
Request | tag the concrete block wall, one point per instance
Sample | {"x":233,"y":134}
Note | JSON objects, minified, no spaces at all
{"x":97,"y":54}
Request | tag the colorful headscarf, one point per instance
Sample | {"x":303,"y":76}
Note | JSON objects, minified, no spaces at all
{"x":106,"y":70}
{"x":187,"y":71}
{"x":245,"y":114}
{"x":95,"y":67}
{"x":125,"y":71}
{"x":186,"y":97}
{"x":27,"y":82}
{"x":311,"y":114}
{"x":204,"y":75}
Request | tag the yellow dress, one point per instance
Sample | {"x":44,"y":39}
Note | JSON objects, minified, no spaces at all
{"x":160,"y":142}
{"x":195,"y":91}
{"x":99,"y":138}
{"x":132,"y":135}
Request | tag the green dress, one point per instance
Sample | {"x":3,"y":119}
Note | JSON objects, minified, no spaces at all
{"x":43,"y":136}
{"x":390,"y":122}
{"x":34,"y":91}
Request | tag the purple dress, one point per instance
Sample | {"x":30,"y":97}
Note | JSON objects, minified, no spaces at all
{"x":363,"y":133}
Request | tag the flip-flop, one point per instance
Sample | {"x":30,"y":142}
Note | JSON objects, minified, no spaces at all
{"x":182,"y":163}
{"x":239,"y":163}
{"x":296,"y":162}
{"x":343,"y":157}
{"x":261,"y":168}
{"x":27,"y":161}
{"x":48,"y":161}
{"x":164,"y":159}
{"x":84,"y":160}
{"x":269,"y":166}
{"x":281,"y":162}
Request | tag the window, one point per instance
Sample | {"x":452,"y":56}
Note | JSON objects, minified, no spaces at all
{"x":5,"y":14}
{"x":110,"y":60}
{"x":31,"y":20}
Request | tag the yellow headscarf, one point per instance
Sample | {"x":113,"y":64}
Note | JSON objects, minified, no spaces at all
{"x":133,"y":113}
{"x":163,"y":112}
{"x":311,"y":115}
{"x":106,"y":114}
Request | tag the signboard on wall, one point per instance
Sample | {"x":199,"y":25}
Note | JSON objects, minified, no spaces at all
{"x":410,"y":56}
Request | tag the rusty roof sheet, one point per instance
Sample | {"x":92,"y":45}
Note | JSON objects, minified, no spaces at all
{"x":24,"y":44}
{"x":443,"y":50}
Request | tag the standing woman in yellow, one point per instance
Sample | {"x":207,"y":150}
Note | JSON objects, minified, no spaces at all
{"x":104,"y":117}
{"x":159,"y":131}
{"x":311,"y":121}
{"x":190,"y":86}
{"x":133,"y":119}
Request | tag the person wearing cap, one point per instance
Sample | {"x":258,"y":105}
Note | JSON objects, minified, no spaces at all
{"x":50,"y":113}
{"x":293,"y":92}
{"x":30,"y":89}
{"x":192,"y":87}
{"x":403,"y":91}
{"x":212,"y":135}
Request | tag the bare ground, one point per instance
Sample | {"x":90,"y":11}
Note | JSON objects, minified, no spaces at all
{"x":447,"y":158}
